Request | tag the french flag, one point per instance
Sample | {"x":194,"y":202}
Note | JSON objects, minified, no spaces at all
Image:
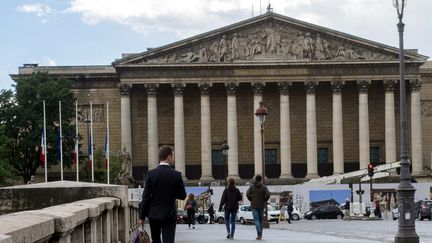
{"x":42,"y":150}
{"x":106,"y":149}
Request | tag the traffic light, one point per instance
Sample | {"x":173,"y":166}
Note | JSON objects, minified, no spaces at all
{"x":370,"y":170}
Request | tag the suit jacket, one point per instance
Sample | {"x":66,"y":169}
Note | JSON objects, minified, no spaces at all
{"x":162,"y":187}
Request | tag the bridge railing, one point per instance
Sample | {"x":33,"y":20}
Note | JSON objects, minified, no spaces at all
{"x":92,"y":220}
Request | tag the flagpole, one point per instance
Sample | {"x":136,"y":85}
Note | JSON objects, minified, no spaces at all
{"x":76,"y":141}
{"x":91,"y":140}
{"x":107,"y":154}
{"x":61,"y":143}
{"x":44,"y":148}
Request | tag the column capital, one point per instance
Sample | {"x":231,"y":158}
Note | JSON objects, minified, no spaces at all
{"x":205,"y":88}
{"x":257,"y":88}
{"x":415,"y":85}
{"x":231,"y":88}
{"x":178,"y":88}
{"x":284,"y":87}
{"x":311,"y":87}
{"x":363,"y":86}
{"x":337,"y":86}
{"x":125,"y":89}
{"x":390,"y":85}
{"x":151,"y":89}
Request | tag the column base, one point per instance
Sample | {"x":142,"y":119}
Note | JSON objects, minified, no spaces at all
{"x":206,"y":178}
{"x":417,"y":174}
{"x":235,"y":177}
{"x":286,"y":176}
{"x":312,"y":176}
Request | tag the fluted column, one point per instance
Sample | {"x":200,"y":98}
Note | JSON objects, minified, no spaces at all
{"x":416,"y":133}
{"x":338,"y":152}
{"x":364,"y":148}
{"x":285,"y":131}
{"x":152,"y":127}
{"x":311,"y":130}
{"x":257,"y":90}
{"x":125,"y":117}
{"x":232,"y":130}
{"x":390,"y":123}
{"x":206,"y":163}
{"x":179,"y":134}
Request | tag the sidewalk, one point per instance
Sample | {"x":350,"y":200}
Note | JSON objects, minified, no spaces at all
{"x":215,"y":233}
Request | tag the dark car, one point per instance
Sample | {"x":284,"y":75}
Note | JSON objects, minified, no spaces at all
{"x":325,"y":212}
{"x":423,"y":209}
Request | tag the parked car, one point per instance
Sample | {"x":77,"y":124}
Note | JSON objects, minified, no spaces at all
{"x":325,"y":212}
{"x":296,"y":215}
{"x":220,"y":217}
{"x":200,"y":217}
{"x":422,"y":210}
{"x":245,"y":214}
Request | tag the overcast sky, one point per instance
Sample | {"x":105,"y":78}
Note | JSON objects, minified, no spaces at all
{"x":95,"y":32}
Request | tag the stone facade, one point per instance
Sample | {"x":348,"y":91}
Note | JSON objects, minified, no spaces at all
{"x":232,"y":61}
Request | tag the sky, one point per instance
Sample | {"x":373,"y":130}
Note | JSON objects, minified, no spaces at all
{"x":96,"y":32}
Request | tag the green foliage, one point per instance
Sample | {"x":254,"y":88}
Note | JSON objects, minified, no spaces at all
{"x":7,"y":173}
{"x":100,"y":171}
{"x":23,"y":121}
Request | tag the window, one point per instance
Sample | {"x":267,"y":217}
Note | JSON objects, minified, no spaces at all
{"x":323,"y":157}
{"x":271,"y":156}
{"x":217,"y":157}
{"x":375,"y":154}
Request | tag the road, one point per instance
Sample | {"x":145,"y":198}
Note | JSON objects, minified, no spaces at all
{"x":306,"y":231}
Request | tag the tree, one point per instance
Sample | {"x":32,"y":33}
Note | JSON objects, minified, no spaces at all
{"x":24,"y":121}
{"x":7,"y":104}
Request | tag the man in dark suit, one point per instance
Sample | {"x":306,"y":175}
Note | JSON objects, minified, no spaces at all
{"x":162,"y":187}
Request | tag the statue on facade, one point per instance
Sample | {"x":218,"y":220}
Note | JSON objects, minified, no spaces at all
{"x":124,"y":177}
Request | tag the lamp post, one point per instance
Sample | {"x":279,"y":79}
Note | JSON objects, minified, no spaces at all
{"x":224,"y":148}
{"x":405,"y":191}
{"x":261,"y":112}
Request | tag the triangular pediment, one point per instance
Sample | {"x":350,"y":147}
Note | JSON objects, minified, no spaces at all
{"x":270,"y":38}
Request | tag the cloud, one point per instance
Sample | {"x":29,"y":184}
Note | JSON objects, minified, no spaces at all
{"x":49,"y":61}
{"x":41,"y":10}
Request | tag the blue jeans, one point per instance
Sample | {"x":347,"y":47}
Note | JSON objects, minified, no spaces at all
{"x":257,"y":214}
{"x":230,"y":217}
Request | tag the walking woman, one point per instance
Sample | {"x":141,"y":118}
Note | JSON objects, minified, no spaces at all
{"x":230,"y":202}
{"x":190,"y":208}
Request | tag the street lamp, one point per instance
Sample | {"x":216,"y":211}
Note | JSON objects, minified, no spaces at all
{"x":405,"y":191}
{"x":224,"y":148}
{"x":261,"y":112}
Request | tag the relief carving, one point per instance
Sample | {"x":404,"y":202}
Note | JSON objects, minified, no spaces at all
{"x":270,"y":40}
{"x":84,"y":113}
{"x":426,"y":108}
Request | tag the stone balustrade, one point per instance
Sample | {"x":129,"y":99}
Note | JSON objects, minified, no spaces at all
{"x":91,"y":220}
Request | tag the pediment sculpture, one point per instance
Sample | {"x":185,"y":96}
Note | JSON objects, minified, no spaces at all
{"x":271,"y":41}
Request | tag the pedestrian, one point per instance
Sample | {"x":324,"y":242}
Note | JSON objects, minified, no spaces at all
{"x":290,"y":209}
{"x":163,"y":186}
{"x":282,"y":213}
{"x":230,"y":203}
{"x":377,"y":209}
{"x":347,"y":209}
{"x":191,"y":207}
{"x":211,"y":213}
{"x":258,"y":195}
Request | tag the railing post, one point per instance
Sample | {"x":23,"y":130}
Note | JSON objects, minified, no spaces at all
{"x":115,"y":222}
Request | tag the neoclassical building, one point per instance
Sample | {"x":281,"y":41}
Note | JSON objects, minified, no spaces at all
{"x":333,"y":101}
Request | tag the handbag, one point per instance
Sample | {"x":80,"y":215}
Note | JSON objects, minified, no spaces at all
{"x":140,"y":235}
